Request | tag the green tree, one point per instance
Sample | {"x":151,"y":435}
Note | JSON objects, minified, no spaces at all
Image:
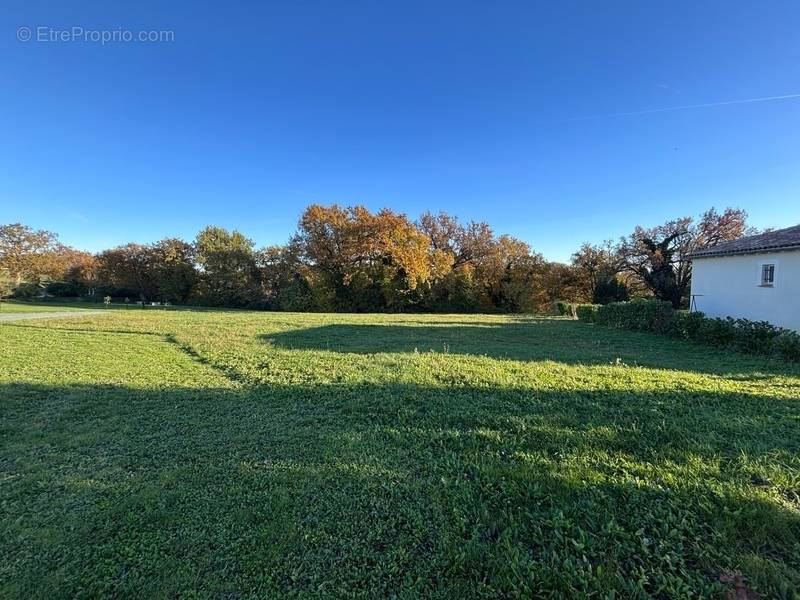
{"x":285,"y":279}
{"x":228,"y":274}
{"x":608,"y":288}
{"x":173,"y":269}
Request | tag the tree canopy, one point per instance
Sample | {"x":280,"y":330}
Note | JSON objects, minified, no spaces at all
{"x":352,"y":259}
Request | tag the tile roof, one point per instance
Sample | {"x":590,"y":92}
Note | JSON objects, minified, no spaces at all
{"x":780,"y":239}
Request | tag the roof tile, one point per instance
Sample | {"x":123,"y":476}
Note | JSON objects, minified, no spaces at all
{"x":780,"y":239}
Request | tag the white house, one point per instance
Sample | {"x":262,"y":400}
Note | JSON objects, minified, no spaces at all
{"x":756,"y":277}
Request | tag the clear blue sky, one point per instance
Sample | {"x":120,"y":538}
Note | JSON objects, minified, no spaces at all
{"x":499,"y":111}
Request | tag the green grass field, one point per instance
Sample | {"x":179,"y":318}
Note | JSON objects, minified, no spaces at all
{"x":242,"y":454}
{"x":14,"y":306}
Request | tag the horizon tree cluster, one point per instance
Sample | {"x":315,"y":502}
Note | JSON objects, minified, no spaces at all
{"x":348,"y":259}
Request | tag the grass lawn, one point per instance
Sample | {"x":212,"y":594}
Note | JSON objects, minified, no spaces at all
{"x":242,"y":454}
{"x":15,"y":306}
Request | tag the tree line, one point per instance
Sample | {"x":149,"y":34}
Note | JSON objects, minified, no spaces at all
{"x":349,"y":259}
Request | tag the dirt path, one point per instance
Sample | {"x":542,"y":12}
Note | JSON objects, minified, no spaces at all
{"x":49,"y":315}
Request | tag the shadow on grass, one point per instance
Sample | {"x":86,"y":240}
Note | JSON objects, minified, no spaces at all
{"x":395,"y":489}
{"x":530,"y":340}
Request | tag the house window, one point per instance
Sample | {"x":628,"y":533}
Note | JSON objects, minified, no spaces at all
{"x":767,"y":275}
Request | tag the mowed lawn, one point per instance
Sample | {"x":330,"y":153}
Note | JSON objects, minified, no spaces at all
{"x":14,"y":307}
{"x":246,"y":454}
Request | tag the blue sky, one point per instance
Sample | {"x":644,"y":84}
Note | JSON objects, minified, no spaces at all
{"x":507,"y":112}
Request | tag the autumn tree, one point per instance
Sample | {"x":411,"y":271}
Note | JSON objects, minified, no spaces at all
{"x":74,"y":273}
{"x":82,"y":272}
{"x":597,"y":268}
{"x":363,"y":261}
{"x":398,"y":256}
{"x":561,"y":281}
{"x":25,"y":253}
{"x":659,"y":256}
{"x":128,"y":270}
{"x":351,"y":259}
{"x":715,"y":228}
{"x":468,"y":244}
{"x":508,"y":275}
{"x":457,"y":252}
{"x":485,"y":272}
{"x":6,"y":285}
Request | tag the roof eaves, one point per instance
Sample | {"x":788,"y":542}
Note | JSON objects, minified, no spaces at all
{"x":709,"y":252}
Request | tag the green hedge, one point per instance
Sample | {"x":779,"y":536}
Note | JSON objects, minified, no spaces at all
{"x":639,"y":315}
{"x":587,"y":312}
{"x":743,"y":335}
{"x":565,"y":309}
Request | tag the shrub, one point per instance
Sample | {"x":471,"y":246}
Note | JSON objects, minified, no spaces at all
{"x":65,"y":289}
{"x":28,"y":291}
{"x":717,"y":332}
{"x":743,"y":335}
{"x":754,"y":337}
{"x":786,"y":345}
{"x":639,"y":315}
{"x":586,"y":312}
{"x":686,"y":325}
{"x":565,"y":309}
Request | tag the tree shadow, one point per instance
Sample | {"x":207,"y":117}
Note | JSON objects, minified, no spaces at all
{"x":530,"y":340}
{"x":395,"y":489}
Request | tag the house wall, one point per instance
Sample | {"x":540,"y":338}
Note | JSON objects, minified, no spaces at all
{"x":729,"y":286}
